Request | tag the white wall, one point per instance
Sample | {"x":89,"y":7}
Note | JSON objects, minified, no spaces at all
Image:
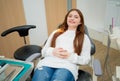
{"x":98,"y":15}
{"x":94,"y":13}
{"x":35,"y":15}
{"x":112,"y":13}
{"x":94,"y":16}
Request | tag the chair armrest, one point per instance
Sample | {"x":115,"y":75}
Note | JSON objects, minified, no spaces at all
{"x":97,"y":67}
{"x":33,"y":56}
{"x":22,"y":30}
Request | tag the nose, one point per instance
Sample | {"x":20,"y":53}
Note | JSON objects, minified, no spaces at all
{"x":72,"y":18}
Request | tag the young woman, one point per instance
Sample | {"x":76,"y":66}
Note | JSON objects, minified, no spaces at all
{"x":66,"y":48}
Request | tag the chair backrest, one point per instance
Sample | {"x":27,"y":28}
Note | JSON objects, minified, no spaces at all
{"x":93,"y":48}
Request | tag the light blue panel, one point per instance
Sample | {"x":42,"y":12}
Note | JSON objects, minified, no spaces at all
{"x":69,"y":4}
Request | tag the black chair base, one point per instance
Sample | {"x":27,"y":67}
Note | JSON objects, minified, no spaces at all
{"x":84,"y":76}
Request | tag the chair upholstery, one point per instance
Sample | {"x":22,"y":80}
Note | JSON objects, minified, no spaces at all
{"x":26,"y":51}
{"x":84,"y":76}
{"x":93,"y":48}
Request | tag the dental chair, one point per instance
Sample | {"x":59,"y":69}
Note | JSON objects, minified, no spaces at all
{"x":31,"y":52}
{"x":26,"y":52}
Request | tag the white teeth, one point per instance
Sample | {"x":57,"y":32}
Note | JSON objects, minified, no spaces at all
{"x":71,"y":21}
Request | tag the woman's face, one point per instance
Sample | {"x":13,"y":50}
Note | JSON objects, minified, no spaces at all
{"x":73,"y":20}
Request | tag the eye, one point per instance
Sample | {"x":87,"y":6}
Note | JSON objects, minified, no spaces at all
{"x":76,"y":17}
{"x":69,"y":15}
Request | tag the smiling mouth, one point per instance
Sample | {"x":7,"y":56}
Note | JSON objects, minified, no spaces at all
{"x":71,"y":22}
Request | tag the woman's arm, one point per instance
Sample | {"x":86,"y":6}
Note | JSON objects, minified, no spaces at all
{"x":47,"y":50}
{"x":85,"y":55}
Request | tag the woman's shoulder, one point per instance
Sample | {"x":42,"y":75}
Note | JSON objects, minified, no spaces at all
{"x":55,"y":31}
{"x":85,"y":35}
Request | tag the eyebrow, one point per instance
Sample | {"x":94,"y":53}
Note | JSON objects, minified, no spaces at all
{"x":74,"y":15}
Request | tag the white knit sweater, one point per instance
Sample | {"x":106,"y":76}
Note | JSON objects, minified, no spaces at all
{"x":65,"y":41}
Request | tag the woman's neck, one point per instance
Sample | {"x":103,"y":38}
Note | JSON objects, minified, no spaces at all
{"x":71,"y":28}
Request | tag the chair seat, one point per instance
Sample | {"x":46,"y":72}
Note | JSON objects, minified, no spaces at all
{"x":84,"y":76}
{"x":25,"y":51}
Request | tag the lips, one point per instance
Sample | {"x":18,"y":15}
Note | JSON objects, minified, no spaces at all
{"x":72,"y":22}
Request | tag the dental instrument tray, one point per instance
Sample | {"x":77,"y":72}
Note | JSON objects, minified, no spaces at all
{"x":9,"y":71}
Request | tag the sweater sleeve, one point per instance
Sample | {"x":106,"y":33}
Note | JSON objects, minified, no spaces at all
{"x":85,"y":55}
{"x":47,"y":50}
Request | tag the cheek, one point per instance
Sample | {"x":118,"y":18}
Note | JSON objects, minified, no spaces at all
{"x":67,"y":20}
{"x":78,"y":22}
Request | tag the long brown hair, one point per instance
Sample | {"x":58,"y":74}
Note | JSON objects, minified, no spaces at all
{"x":78,"y":40}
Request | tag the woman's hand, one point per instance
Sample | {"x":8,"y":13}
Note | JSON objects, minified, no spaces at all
{"x":61,"y":53}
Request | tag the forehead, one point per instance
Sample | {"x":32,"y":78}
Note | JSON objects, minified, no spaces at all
{"x":73,"y":13}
